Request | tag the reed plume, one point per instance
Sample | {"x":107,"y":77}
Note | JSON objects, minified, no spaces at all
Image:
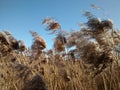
{"x":59,"y":42}
{"x":53,"y":25}
{"x":38,"y":44}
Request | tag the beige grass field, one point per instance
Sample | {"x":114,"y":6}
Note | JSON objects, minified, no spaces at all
{"x":20,"y":74}
{"x":94,"y":64}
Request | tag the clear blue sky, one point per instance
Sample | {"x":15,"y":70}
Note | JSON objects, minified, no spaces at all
{"x":20,"y":16}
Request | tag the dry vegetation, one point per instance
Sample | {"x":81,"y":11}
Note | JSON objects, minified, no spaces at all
{"x":93,"y":65}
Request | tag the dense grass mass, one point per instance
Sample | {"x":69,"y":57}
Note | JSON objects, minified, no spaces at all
{"x":21,"y":74}
{"x":94,"y":63}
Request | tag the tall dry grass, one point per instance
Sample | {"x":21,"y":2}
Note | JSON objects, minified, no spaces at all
{"x":93,"y":64}
{"x":17,"y":73}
